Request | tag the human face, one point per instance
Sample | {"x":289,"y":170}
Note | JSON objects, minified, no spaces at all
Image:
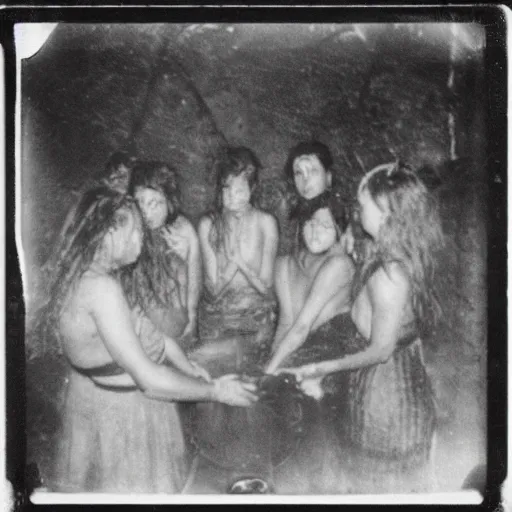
{"x":310,"y":176}
{"x":125,"y":238}
{"x":236,"y":193}
{"x":153,"y":205}
{"x":119,"y":179}
{"x":371,"y":215}
{"x":320,"y":231}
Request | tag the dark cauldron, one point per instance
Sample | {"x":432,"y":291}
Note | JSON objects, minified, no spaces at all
{"x":255,"y":439}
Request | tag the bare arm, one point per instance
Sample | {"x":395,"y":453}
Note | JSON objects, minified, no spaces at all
{"x":195,"y":278}
{"x":146,"y":330}
{"x":216,"y":280}
{"x":330,"y":279}
{"x":283,"y":296}
{"x":111,"y":313}
{"x":389,"y":296}
{"x":262,"y":279}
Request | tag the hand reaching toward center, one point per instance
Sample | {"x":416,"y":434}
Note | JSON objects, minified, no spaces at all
{"x":230,"y":390}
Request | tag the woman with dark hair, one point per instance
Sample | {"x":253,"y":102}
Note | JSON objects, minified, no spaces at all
{"x":311,"y":178}
{"x":236,"y":317}
{"x":309,"y":168}
{"x":391,"y":409}
{"x":166,"y":281}
{"x":117,"y":172}
{"x":120,"y":431}
{"x":239,"y":246}
{"x":313,"y":286}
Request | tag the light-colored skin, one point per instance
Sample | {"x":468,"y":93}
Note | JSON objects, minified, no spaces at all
{"x":381,"y":311}
{"x":312,"y":288}
{"x":182,"y":239}
{"x":251,"y":240}
{"x":97,"y":326}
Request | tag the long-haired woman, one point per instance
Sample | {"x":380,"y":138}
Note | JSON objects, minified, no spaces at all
{"x":120,"y":431}
{"x":166,"y":281}
{"x":239,"y":246}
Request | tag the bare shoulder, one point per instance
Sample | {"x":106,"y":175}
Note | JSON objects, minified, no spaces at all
{"x":389,"y":283}
{"x":343,"y":261}
{"x":337,"y":266}
{"x":266,"y":220}
{"x":99,"y":288}
{"x":185,"y":227}
{"x":182,"y":223}
{"x":205,"y":223}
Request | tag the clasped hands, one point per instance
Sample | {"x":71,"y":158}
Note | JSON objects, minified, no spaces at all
{"x":232,"y":244}
{"x":228,"y":389}
{"x":232,"y":390}
{"x":176,"y":242}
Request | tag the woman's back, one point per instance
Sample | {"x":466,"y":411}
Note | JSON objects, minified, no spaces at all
{"x":82,"y":343}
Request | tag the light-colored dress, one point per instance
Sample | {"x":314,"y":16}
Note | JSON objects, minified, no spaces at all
{"x":120,"y":441}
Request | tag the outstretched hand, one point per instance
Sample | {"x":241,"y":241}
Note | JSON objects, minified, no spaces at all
{"x":230,"y":390}
{"x":313,"y":387}
{"x":300,"y":372}
{"x":309,"y":382}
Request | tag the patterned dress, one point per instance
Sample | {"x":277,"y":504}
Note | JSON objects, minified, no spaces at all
{"x":375,"y":425}
{"x":119,"y":441}
{"x":391,"y":425}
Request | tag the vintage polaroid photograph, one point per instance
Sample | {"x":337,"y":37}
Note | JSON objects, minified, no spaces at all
{"x":254,"y":258}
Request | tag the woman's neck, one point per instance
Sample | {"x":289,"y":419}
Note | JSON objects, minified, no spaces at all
{"x":238,"y":214}
{"x":308,"y":260}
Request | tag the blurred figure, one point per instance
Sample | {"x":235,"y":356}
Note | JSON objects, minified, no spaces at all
{"x":117,"y":172}
{"x":167,"y":279}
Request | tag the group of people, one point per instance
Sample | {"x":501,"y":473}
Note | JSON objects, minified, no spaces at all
{"x":138,"y":297}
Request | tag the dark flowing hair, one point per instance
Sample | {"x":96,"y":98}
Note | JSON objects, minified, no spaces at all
{"x":411,"y":235}
{"x":341,"y":215}
{"x":234,"y":161}
{"x":115,"y":162}
{"x":86,"y":225}
{"x":158,"y":176}
{"x":310,"y":147}
{"x":153,"y":277}
{"x":323,"y":153}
